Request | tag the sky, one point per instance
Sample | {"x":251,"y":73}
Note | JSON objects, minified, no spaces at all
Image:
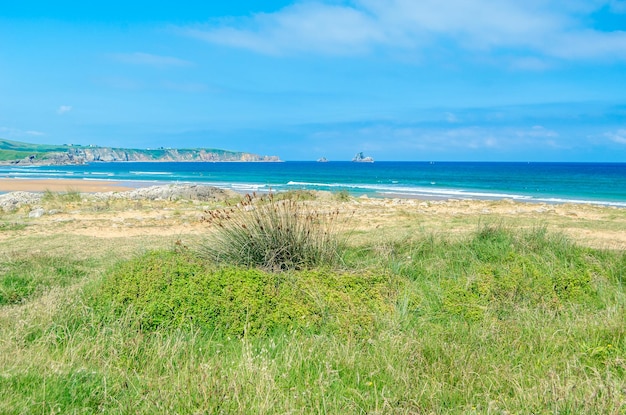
{"x":432,"y":80}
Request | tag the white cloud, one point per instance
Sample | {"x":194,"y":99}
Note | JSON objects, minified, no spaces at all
{"x":618,"y":136}
{"x":587,"y":44}
{"x":451,"y":118}
{"x":537,"y":131}
{"x":529,"y":63}
{"x":445,"y":139}
{"x":16,"y":132}
{"x":64,"y":109}
{"x":533,"y":28}
{"x":303,"y":27}
{"x":139,"y":58}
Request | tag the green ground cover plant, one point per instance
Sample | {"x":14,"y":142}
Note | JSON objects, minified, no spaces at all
{"x":170,"y":290}
{"x":498,"y":321}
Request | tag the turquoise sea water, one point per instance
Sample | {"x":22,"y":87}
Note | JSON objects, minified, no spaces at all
{"x":602,"y":183}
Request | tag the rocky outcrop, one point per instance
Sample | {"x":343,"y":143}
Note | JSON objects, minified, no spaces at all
{"x":171,"y":192}
{"x":36,"y":213}
{"x":360,"y":158}
{"x":15,"y":200}
{"x":12,"y":201}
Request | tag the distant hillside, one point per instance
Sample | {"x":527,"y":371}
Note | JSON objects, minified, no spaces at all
{"x":16,"y":152}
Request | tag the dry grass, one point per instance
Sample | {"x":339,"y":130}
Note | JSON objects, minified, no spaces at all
{"x":431,"y":353}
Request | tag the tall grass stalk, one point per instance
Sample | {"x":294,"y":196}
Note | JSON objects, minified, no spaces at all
{"x":71,"y":195}
{"x":273,"y":234}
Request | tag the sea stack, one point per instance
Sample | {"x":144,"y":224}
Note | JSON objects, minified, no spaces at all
{"x":360,"y":158}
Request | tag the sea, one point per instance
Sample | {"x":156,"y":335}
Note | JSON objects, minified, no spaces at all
{"x":595,"y":183}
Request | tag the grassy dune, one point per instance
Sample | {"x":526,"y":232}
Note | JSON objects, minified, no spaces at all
{"x":503,"y":317}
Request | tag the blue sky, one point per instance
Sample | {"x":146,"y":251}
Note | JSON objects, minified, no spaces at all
{"x":533,"y":80}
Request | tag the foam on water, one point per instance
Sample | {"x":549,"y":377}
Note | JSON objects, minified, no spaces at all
{"x":151,"y":173}
{"x":596,"y":183}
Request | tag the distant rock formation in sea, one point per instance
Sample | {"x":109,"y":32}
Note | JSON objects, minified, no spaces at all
{"x":360,"y":158}
{"x":14,"y":152}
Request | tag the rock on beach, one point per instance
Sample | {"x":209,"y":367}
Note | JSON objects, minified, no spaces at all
{"x":14,"y":200}
{"x":171,"y":192}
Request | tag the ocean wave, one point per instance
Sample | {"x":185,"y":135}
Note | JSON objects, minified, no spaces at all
{"x":38,"y":175}
{"x":544,"y":183}
{"x":247,"y":187}
{"x":413,"y":190}
{"x":87,"y":179}
{"x":419,"y":191}
{"x":581,"y":201}
{"x":151,"y":173}
{"x":100,"y":173}
{"x":29,"y":169}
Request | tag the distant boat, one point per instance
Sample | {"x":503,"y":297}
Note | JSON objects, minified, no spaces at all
{"x":322,"y":160}
{"x":360,"y":158}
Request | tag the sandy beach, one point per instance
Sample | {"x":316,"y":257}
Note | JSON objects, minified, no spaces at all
{"x":64,"y":185}
{"x":162,"y":217}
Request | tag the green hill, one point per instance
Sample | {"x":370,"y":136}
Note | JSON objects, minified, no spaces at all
{"x":26,"y":153}
{"x":15,"y":150}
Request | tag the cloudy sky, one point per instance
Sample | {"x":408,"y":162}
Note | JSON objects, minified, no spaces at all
{"x":507,"y":80}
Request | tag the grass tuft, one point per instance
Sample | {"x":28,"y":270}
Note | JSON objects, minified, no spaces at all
{"x":273,"y":234}
{"x":70,"y":196}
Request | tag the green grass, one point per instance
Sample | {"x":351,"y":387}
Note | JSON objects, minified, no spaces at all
{"x":11,"y":226}
{"x":498,"y":321}
{"x":70,"y":196}
{"x":342,"y":196}
{"x":15,"y":150}
{"x":296,"y":195}
{"x":28,"y":147}
{"x":25,"y":276}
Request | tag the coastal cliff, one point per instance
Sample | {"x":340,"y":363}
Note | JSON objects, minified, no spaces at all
{"x":14,"y":152}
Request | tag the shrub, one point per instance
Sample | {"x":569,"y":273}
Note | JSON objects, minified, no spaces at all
{"x":272,"y":234}
{"x":175,"y":289}
{"x":342,"y":196}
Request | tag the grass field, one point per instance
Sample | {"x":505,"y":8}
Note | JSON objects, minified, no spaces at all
{"x":112,"y":308}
